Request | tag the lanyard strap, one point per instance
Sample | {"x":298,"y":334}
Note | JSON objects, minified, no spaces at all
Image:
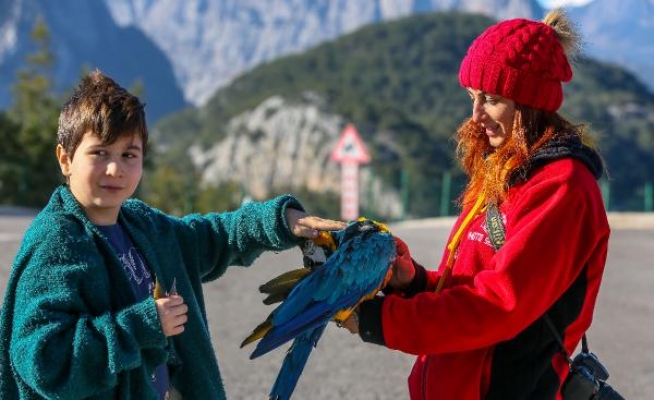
{"x":497,"y":236}
{"x":456,"y":240}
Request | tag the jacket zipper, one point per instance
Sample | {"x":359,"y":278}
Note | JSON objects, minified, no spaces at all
{"x":424,"y":377}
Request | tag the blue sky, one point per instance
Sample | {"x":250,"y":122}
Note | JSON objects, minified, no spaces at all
{"x":559,"y":3}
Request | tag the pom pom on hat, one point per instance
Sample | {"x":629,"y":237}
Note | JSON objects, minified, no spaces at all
{"x":521,"y":60}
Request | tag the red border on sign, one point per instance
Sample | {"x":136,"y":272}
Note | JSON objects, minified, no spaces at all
{"x":341,"y":152}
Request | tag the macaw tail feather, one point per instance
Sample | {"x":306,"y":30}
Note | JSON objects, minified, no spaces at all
{"x":158,"y":293}
{"x":294,"y":363}
{"x":314,"y":317}
{"x":275,"y":298}
{"x":258,"y":332}
{"x":284,"y":282}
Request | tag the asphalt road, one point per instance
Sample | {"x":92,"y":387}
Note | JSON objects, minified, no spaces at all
{"x":343,"y":367}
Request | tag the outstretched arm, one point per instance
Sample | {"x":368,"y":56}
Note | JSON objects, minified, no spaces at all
{"x":303,"y":225}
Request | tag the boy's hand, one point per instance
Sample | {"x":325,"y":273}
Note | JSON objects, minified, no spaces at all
{"x":172,"y":314}
{"x":403,"y":269}
{"x":303,"y":225}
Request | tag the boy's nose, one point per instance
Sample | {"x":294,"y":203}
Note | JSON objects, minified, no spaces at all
{"x":114,"y":169}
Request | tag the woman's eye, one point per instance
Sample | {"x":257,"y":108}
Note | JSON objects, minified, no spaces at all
{"x":491,"y":100}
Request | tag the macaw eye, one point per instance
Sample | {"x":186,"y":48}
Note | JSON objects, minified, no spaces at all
{"x":358,"y":228}
{"x":368,"y":225}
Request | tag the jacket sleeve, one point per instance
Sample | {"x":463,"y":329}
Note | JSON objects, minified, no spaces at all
{"x":556,"y":226}
{"x":61,"y":346}
{"x":214,"y":241}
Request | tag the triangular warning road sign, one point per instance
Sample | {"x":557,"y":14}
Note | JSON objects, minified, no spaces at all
{"x":350,"y":147}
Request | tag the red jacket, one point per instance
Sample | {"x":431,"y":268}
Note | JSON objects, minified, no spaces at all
{"x":483,"y":335}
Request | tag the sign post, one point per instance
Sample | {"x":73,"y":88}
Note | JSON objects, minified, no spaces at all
{"x":350,"y":152}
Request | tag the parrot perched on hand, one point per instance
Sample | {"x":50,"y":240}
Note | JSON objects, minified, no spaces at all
{"x":356,"y":266}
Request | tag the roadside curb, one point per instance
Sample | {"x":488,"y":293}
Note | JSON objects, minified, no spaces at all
{"x":631,"y":220}
{"x":617,"y":220}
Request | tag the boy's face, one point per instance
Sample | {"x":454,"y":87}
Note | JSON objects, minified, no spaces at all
{"x":101,"y":176}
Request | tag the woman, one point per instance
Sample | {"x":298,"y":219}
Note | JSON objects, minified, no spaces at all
{"x":531,"y":241}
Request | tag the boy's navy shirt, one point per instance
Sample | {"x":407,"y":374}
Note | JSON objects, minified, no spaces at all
{"x":142,"y":283}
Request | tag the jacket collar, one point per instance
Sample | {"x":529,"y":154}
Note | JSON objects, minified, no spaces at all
{"x":556,"y":149}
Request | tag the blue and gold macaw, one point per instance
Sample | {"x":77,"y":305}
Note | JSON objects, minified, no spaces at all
{"x":355,"y":267}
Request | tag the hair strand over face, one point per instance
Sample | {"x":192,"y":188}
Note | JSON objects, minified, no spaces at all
{"x":490,"y":169}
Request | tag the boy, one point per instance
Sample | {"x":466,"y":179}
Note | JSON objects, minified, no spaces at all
{"x":81,"y":318}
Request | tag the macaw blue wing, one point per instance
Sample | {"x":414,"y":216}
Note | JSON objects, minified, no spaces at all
{"x":294,"y":362}
{"x":355,"y":270}
{"x":318,"y":314}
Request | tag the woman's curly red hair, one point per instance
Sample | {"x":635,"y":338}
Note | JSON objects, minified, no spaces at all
{"x":489,"y":168}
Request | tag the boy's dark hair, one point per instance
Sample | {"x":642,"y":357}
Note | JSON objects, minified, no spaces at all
{"x":103,"y":107}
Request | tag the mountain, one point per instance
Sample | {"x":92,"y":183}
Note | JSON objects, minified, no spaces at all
{"x":620,"y":32}
{"x":364,"y":60}
{"x":184,"y":51}
{"x":83,"y":34}
{"x":232,"y":37}
{"x":397,"y":82}
{"x":210,"y":42}
{"x":284,"y":145}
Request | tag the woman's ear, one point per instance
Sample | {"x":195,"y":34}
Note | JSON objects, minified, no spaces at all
{"x":64,"y":160}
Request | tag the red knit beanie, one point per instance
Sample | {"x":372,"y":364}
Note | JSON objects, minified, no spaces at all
{"x":521,"y":60}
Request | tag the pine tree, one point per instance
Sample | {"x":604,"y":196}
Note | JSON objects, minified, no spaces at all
{"x":31,"y":171}
{"x":10,"y":161}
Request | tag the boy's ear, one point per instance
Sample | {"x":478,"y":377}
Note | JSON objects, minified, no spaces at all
{"x":64,"y":160}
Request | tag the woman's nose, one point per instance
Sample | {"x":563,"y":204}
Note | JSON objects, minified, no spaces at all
{"x":478,"y":113}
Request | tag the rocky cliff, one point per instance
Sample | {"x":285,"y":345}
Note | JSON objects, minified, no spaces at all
{"x":287,"y":144}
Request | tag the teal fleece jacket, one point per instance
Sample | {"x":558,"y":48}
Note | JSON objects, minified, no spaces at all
{"x":70,"y":326}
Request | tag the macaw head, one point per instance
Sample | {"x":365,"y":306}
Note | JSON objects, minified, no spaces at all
{"x":316,"y":251}
{"x":360,"y":227}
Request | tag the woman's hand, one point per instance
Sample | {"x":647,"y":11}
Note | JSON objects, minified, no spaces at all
{"x":303,"y":225}
{"x":403,"y":268}
{"x":172,"y":314}
{"x":352,"y":322}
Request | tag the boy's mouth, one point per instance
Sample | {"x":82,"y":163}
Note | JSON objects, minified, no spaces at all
{"x":111,"y":188}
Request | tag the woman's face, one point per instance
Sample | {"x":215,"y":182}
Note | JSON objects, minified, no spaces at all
{"x":494,"y":113}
